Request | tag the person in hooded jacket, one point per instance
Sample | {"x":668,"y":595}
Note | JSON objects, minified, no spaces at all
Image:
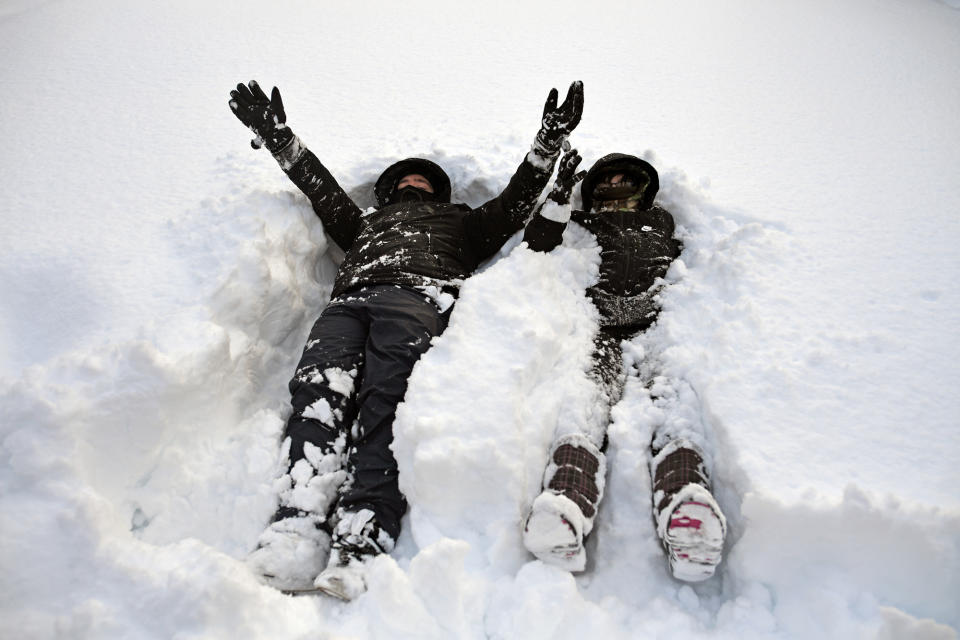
{"x":404,"y":261}
{"x":637,"y":246}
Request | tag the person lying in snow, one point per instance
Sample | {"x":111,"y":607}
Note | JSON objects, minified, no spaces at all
{"x":392,"y":294}
{"x":636,"y":248}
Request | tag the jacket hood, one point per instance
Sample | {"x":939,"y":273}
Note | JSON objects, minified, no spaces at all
{"x":388,"y":180}
{"x":630,"y":165}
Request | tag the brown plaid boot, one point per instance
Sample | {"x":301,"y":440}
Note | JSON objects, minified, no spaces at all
{"x":689,"y":521}
{"x":562,"y":515}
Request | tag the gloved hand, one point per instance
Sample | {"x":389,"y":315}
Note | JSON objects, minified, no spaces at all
{"x":557,"y":205}
{"x":558,"y":122}
{"x":567,"y":177}
{"x":264,"y":116}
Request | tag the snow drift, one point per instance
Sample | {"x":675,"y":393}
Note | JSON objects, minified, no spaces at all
{"x":159,"y":279}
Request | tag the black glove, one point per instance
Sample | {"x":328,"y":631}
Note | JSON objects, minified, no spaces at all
{"x":264,"y":116}
{"x":567,"y":177}
{"x":558,"y":122}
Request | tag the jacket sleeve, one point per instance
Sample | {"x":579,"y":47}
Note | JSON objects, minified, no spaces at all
{"x":339,"y":214}
{"x":489,"y":226}
{"x":668,"y":225}
{"x":545,"y":233}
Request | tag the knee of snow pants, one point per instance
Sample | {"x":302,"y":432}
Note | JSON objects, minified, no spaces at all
{"x":607,"y":367}
{"x":589,"y":416}
{"x":323,"y":389}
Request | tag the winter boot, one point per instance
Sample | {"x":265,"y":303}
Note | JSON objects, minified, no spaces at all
{"x":563,"y":514}
{"x":690,"y":524}
{"x":291,"y":551}
{"x":356,"y":539}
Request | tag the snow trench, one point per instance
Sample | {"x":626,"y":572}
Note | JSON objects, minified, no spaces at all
{"x":135,"y":478}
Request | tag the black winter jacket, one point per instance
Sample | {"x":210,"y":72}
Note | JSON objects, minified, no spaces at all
{"x":417,"y":244}
{"x":636,"y":248}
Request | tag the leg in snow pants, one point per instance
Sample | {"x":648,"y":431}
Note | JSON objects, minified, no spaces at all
{"x":350,"y":379}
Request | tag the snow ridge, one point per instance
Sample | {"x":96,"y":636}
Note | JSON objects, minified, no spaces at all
{"x":195,"y":408}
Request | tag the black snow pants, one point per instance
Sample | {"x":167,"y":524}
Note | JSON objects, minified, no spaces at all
{"x":350,"y":379}
{"x":607,"y":368}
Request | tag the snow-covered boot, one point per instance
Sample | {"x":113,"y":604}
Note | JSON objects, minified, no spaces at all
{"x":294,"y":547}
{"x":291,"y":551}
{"x":356,"y":539}
{"x":689,"y":521}
{"x":562,"y":515}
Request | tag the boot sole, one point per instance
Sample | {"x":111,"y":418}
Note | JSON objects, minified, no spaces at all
{"x":694,"y":541}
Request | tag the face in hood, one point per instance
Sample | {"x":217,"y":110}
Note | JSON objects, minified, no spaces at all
{"x":639,"y":172}
{"x":385,"y":188}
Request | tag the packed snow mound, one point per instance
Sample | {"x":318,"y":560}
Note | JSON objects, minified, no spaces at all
{"x":158,"y":279}
{"x":136,"y":477}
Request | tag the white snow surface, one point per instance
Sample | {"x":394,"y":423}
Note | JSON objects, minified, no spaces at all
{"x":158,"y":279}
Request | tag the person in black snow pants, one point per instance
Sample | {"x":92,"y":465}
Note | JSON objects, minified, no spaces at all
{"x":404,"y":261}
{"x":636,"y":248}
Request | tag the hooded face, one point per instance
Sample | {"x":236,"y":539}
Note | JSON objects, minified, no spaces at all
{"x":615,"y":190}
{"x":413,"y":188}
{"x":415,"y":180}
{"x":412,"y":180}
{"x":617,"y":182}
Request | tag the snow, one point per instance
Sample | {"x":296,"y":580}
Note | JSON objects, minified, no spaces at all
{"x":159,"y":279}
{"x":556,"y":212}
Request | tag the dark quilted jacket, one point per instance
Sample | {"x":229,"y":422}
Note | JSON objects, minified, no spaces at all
{"x":418,"y":244}
{"x":636,"y":248}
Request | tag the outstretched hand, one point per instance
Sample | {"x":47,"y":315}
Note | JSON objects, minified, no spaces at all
{"x":558,"y":122}
{"x":567,"y":177}
{"x":262,"y":115}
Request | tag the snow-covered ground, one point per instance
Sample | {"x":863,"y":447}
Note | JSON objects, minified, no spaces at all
{"x":158,"y":278}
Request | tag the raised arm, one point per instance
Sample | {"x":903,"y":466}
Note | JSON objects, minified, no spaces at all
{"x":490,"y":225}
{"x":544,"y":232}
{"x":266,"y":118}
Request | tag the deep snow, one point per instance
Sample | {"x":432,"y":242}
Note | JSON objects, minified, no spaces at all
{"x":159,"y":278}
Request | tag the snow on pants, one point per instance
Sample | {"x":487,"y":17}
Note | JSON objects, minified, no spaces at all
{"x":577,"y":460}
{"x":675,"y":397}
{"x":680,"y":442}
{"x":607,"y":379}
{"x":350,"y":379}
